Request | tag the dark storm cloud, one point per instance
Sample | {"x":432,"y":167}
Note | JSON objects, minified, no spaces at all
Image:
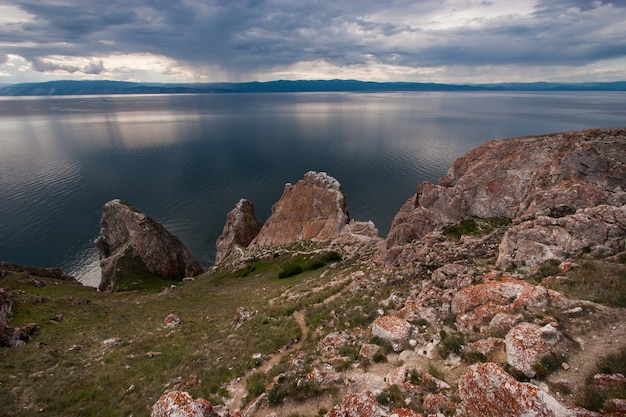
{"x":246,"y":36}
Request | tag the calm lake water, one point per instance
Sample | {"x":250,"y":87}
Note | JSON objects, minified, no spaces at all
{"x":187,"y":159}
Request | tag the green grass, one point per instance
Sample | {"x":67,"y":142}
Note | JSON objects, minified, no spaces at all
{"x":303,"y":263}
{"x":475,"y":226}
{"x":596,"y":280}
{"x":95,"y":380}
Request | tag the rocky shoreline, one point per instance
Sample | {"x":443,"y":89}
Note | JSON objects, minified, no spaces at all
{"x":473,"y":320}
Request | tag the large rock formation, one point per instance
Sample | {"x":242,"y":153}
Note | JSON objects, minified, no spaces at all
{"x":600,"y":229}
{"x":240,"y":229}
{"x":516,"y":179}
{"x":134,"y":246}
{"x":312,"y":209}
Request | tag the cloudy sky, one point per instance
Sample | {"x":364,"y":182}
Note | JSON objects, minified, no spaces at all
{"x":458,"y":41}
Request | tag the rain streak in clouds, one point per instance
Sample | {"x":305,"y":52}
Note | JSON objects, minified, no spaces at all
{"x":455,"y":41}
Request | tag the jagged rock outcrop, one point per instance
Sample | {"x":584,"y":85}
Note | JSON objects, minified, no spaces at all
{"x":240,"y":229}
{"x":312,"y":209}
{"x":518,"y":178}
{"x":601,"y":229}
{"x":132,"y":244}
{"x":486,"y":390}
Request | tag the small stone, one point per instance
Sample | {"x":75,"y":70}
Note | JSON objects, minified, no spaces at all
{"x":171,"y":321}
{"x":75,"y":348}
{"x":112,"y":341}
{"x":574,"y":311}
{"x":565,"y":366}
{"x":153,"y":354}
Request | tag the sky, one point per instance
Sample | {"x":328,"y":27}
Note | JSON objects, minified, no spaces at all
{"x":441,"y":41}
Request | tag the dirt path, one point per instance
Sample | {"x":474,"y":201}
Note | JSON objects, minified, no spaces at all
{"x":601,"y":334}
{"x":237,"y":387}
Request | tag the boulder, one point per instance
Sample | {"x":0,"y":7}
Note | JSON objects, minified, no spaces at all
{"x":392,"y":329}
{"x":476,"y":306}
{"x":133,"y":246}
{"x":312,"y":209}
{"x":240,"y":229}
{"x":486,"y":390}
{"x":181,"y":404}
{"x":438,"y":403}
{"x":601,"y":228}
{"x":358,"y":405}
{"x":517,"y":178}
{"x":527,"y":343}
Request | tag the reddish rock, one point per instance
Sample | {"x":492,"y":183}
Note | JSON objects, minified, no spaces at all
{"x":404,"y":412}
{"x":536,"y":241}
{"x":486,"y":390}
{"x":332,"y":342}
{"x":368,"y":350}
{"x":324,"y":374}
{"x":526,"y":343}
{"x":477,"y":305}
{"x":358,"y":405}
{"x":180,"y":404}
{"x":393,"y":329}
{"x":131,"y":243}
{"x":516,"y":178}
{"x":312,"y":209}
{"x":397,"y":376}
{"x":615,"y":406}
{"x":501,"y":323}
{"x":243,"y":315}
{"x":171,"y":321}
{"x":240,"y":229}
{"x":438,"y":403}
{"x":608,"y":382}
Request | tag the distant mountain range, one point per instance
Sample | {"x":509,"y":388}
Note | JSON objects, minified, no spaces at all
{"x":54,"y":88}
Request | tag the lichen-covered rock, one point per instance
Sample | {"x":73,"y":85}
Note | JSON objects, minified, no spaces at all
{"x":535,"y":241}
{"x":486,"y":390}
{"x":181,"y":404}
{"x":438,"y":403}
{"x":358,"y":405}
{"x":477,"y":305}
{"x":526,"y":343}
{"x":312,"y":209}
{"x":133,"y":245}
{"x":240,"y":229}
{"x":517,"y":178}
{"x":392,"y":329}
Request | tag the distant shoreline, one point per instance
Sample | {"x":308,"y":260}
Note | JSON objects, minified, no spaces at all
{"x":59,"y":88}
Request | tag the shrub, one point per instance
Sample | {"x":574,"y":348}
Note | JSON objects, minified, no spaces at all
{"x":290,"y":270}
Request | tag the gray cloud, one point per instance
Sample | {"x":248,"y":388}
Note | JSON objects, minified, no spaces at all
{"x":243,"y":37}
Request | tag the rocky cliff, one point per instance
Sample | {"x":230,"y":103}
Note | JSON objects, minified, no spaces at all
{"x":132,"y":246}
{"x":501,"y":291}
{"x":521,"y":179}
{"x":240,"y":229}
{"x":314,"y":210}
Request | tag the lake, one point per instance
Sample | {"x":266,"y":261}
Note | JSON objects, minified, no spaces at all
{"x":187,"y":159}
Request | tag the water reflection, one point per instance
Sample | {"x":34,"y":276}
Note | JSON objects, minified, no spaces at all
{"x":186,"y":160}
